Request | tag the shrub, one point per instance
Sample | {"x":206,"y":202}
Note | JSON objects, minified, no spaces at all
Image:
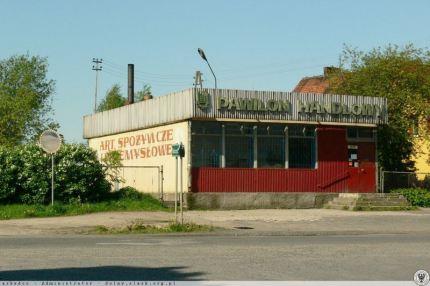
{"x":9,"y":170}
{"x":426,"y":182}
{"x":34,"y":181}
{"x":25,"y":175}
{"x":80,"y":177}
{"x":127,"y":193}
{"x":417,"y":197}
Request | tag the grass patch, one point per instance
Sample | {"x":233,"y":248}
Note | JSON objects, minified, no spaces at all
{"x":143,"y":203}
{"x":139,"y":226}
{"x":415,"y":196}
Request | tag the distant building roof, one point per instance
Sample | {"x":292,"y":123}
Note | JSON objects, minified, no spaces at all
{"x":315,"y":84}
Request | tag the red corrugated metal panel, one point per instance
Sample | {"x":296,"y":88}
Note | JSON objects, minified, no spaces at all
{"x":252,"y":180}
{"x":332,"y":174}
{"x":363,"y":179}
{"x":332,"y":159}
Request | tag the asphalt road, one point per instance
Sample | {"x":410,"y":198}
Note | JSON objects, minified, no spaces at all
{"x":224,"y":256}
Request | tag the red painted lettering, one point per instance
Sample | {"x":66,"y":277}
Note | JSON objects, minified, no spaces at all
{"x":169,"y":135}
{"x":132,"y":140}
{"x":126,"y":141}
{"x":161,"y":150}
{"x":154,"y":151}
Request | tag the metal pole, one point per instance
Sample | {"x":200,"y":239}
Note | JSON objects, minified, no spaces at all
{"x":176,"y":191}
{"x":382,"y":181}
{"x":376,"y":160}
{"x":52,"y":179}
{"x":95,"y":96}
{"x":222,"y":146}
{"x":159,"y":180}
{"x":96,"y":68}
{"x":255,"y":147}
{"x":212,"y":73}
{"x":182,"y":193}
{"x":286,"y":155}
{"x":162,"y":182}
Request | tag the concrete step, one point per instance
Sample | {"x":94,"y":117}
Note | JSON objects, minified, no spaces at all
{"x":382,"y":208}
{"x":344,"y":200}
{"x":368,"y":202}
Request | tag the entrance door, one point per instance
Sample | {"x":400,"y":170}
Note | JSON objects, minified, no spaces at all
{"x":361,"y":165}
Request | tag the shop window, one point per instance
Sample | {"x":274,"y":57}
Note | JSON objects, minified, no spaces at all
{"x":360,"y":133}
{"x":239,"y":145}
{"x":205,"y":144}
{"x":302,"y":147}
{"x":271,"y":146}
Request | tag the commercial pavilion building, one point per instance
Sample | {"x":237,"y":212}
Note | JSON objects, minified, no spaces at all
{"x":245,"y":141}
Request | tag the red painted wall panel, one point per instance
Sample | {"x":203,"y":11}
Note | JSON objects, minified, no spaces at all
{"x":332,"y":174}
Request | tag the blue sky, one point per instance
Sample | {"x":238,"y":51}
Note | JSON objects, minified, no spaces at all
{"x":264,"y":45}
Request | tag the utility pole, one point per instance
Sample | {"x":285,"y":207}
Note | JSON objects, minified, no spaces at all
{"x":96,"y":67}
{"x":198,"y":82}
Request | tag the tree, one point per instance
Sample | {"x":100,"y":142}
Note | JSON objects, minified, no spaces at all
{"x":113,"y":164}
{"x":113,"y":99}
{"x":145,"y":92}
{"x":402,"y":75}
{"x":25,"y":99}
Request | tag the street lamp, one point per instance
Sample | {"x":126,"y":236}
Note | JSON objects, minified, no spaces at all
{"x":202,"y":54}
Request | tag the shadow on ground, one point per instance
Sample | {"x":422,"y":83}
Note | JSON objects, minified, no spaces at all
{"x":112,"y":273}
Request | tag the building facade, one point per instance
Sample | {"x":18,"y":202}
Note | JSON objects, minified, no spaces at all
{"x":245,"y":141}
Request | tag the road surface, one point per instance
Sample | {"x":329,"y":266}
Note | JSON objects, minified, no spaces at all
{"x":227,"y":255}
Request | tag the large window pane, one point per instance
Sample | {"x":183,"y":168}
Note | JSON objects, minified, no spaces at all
{"x":271,"y":146}
{"x":206,"y":144}
{"x":239,"y":147}
{"x":302,"y":147}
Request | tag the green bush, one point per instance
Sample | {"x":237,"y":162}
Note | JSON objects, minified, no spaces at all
{"x":9,"y":170}
{"x":426,"y":182}
{"x":127,"y":193}
{"x":34,"y":181}
{"x":417,"y":197}
{"x":25,"y":175}
{"x":80,"y":177}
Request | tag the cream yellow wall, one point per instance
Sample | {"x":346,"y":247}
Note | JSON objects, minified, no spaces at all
{"x":148,"y":147}
{"x":421,"y":158}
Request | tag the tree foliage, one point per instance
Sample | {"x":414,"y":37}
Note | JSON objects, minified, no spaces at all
{"x":145,"y":92}
{"x":113,"y":164}
{"x":402,"y":75}
{"x":113,"y":99}
{"x":25,"y":98}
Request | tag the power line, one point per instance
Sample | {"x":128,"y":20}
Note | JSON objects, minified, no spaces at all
{"x":123,"y":74}
{"x":119,"y":67}
{"x":142,"y":81}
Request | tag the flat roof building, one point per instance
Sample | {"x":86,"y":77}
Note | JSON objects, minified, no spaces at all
{"x":245,"y":141}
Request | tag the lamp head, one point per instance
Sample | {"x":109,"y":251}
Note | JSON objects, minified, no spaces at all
{"x":202,"y":54}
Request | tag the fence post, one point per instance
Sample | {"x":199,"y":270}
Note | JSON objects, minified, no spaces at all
{"x":159,"y":182}
{"x":383,"y":181}
{"x":409,"y":180}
